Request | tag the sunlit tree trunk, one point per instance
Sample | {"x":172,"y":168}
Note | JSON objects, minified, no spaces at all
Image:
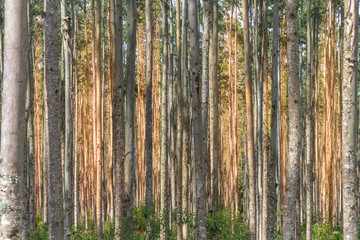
{"x":249,"y":119}
{"x":350,"y":190}
{"x":164,"y":144}
{"x":294,"y":93}
{"x":13,"y":119}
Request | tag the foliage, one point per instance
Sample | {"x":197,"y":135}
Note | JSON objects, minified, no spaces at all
{"x":41,"y":230}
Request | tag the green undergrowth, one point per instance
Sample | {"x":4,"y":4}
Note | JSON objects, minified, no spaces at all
{"x":221,"y":225}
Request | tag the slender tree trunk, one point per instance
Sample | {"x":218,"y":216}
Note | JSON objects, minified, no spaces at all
{"x":185,"y":161}
{"x":214,"y":108}
{"x":164,"y":144}
{"x":309,"y":126}
{"x":350,"y":190}
{"x":149,"y":110}
{"x":13,"y":119}
{"x":249,"y":119}
{"x":294,"y":93}
{"x":179,"y":132}
{"x":52,"y":104}
{"x":118,"y":114}
{"x":130,"y":157}
{"x":65,"y":31}
{"x":270,"y":200}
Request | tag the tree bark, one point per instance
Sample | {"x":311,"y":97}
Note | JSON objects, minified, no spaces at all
{"x":214,"y":108}
{"x":350,"y":190}
{"x":164,"y":144}
{"x":130,"y":156}
{"x":294,"y":93}
{"x":249,"y":119}
{"x":309,"y":125}
{"x":13,"y":119}
{"x":52,"y":126}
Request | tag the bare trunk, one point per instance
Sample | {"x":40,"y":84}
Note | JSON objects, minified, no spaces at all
{"x":294,"y":93}
{"x":350,"y":190}
{"x":13,"y":119}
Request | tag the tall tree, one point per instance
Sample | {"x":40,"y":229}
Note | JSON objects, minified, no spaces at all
{"x":200,"y":164}
{"x":149,"y":110}
{"x":249,"y":118}
{"x":214,"y":107}
{"x":350,"y":189}
{"x":270,"y":175}
{"x":164,"y":144}
{"x":309,"y":124}
{"x":294,"y":101}
{"x":13,"y":119}
{"x":65,"y":33}
{"x":52,"y":124}
{"x":185,"y":108}
{"x":118,"y":110}
{"x":130,"y":156}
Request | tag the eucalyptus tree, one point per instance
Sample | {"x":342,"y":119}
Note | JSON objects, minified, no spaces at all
{"x":349,"y":177}
{"x":13,"y":119}
{"x":294,"y":106}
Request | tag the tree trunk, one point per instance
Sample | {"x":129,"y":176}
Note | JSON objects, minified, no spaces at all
{"x":309,"y":125}
{"x":294,"y":93}
{"x":214,"y":108}
{"x":249,"y":119}
{"x":164,"y":144}
{"x":149,"y":110}
{"x":200,"y":164}
{"x":13,"y":119}
{"x":53,"y":108}
{"x":350,"y":190}
{"x":66,"y":31}
{"x":130,"y":156}
{"x":185,"y":108}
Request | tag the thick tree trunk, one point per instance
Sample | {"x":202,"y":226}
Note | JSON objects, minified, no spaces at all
{"x":249,"y":119}
{"x":294,"y":93}
{"x":13,"y":119}
{"x":200,"y":164}
{"x":350,"y":190}
{"x":118,"y":120}
{"x":52,"y":126}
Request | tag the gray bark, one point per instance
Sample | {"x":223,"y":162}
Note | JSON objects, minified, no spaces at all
{"x":350,"y":190}
{"x":149,"y":110}
{"x":185,"y":161}
{"x":118,"y":111}
{"x":294,"y":106}
{"x":52,"y":102}
{"x":130,"y":156}
{"x":214,"y":109}
{"x":13,"y":120}
{"x":164,"y":144}
{"x":65,"y":31}
{"x":249,"y":120}
{"x":309,"y":125}
{"x":198,"y":128}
